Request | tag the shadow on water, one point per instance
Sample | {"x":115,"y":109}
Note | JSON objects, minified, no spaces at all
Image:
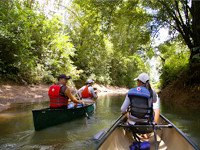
{"x":185,"y":118}
{"x":17,"y":130}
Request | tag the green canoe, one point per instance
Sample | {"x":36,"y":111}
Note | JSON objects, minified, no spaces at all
{"x":46,"y":117}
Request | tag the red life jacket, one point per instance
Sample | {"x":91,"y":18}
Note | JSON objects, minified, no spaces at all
{"x":55,"y":99}
{"x":86,"y":93}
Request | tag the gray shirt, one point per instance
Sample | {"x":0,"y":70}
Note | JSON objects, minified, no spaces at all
{"x":127,"y":102}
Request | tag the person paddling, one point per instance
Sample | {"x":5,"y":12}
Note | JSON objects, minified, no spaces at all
{"x":59,"y":93}
{"x":87,"y":92}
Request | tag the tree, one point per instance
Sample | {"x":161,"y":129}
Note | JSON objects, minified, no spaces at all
{"x":181,"y":16}
{"x":175,"y":57}
{"x":32,"y":47}
{"x":124,"y":25}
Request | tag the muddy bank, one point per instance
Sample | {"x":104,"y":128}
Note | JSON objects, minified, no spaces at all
{"x":17,"y":94}
{"x":181,"y":94}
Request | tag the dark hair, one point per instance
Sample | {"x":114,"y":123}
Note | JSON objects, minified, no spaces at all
{"x":148,"y":86}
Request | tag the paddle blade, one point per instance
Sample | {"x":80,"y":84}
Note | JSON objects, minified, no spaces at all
{"x":99,"y":135}
{"x":87,"y":115}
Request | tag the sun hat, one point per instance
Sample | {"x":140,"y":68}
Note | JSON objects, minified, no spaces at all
{"x":143,"y":77}
{"x":63,"y":76}
{"x":90,"y":81}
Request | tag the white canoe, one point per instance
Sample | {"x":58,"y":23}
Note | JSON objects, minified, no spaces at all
{"x":168,"y":138}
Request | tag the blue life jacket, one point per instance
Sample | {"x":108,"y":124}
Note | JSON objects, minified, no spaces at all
{"x":140,"y":105}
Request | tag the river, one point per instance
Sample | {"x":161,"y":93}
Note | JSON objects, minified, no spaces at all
{"x":17,"y":130}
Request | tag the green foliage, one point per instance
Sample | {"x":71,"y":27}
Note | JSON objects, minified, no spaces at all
{"x":108,"y":41}
{"x":175,"y":60}
{"x":180,"y":16}
{"x":107,"y":35}
{"x":32,"y":46}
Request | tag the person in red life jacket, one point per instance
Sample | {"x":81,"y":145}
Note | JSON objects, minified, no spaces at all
{"x":59,"y":93}
{"x":87,"y":92}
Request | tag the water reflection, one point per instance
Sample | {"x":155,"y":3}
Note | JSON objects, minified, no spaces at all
{"x":185,"y":118}
{"x":17,"y":130}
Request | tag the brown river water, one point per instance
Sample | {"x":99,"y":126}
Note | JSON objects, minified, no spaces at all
{"x":17,"y":130}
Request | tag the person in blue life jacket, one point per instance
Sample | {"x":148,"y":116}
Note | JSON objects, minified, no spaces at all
{"x":87,"y":92}
{"x":59,"y":93}
{"x":143,"y":84}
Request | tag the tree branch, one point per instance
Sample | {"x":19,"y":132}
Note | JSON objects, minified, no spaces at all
{"x":181,"y":28}
{"x":186,"y":13}
{"x":177,"y":9}
{"x":71,"y":12}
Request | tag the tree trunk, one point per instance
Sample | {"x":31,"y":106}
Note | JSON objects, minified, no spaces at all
{"x":195,"y":51}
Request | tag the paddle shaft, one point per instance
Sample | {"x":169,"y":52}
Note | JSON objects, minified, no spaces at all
{"x":75,"y":89}
{"x":115,"y":122}
{"x":79,"y":97}
{"x":101,"y":134}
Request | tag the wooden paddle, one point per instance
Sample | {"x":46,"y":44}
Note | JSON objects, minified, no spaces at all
{"x":101,"y":134}
{"x":79,"y":97}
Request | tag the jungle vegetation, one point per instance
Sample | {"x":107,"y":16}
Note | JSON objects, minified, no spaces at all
{"x":108,"y":41}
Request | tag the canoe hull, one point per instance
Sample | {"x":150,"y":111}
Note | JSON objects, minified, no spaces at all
{"x":168,"y":138}
{"x":44,"y":118}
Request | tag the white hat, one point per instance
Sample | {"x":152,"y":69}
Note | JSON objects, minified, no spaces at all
{"x":90,"y":81}
{"x":143,"y":77}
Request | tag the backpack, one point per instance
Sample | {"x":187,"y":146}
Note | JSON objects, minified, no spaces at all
{"x":140,"y":146}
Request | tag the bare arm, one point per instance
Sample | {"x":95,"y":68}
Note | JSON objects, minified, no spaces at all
{"x":156,"y":108}
{"x":156,"y":115}
{"x":125,"y":105}
{"x":69,"y":94}
{"x":91,"y":90}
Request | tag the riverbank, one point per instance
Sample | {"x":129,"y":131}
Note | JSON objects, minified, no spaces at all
{"x":28,"y":93}
{"x":185,"y":96}
{"x":184,"y":91}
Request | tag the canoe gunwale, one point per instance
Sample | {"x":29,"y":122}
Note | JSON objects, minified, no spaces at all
{"x":108,"y":133}
{"x":164,"y":118}
{"x":52,"y":109}
{"x":187,"y":139}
